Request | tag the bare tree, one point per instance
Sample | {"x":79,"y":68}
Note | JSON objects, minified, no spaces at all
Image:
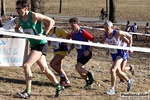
{"x":112,"y":11}
{"x":3,"y":12}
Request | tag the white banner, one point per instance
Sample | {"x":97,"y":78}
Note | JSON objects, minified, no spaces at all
{"x":12,"y":51}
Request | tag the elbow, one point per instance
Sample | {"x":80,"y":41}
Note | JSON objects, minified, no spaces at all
{"x":52,"y":22}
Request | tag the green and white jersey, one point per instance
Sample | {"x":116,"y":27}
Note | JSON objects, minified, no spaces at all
{"x":29,"y":27}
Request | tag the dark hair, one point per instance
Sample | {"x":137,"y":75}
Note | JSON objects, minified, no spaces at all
{"x":73,"y":20}
{"x":147,"y":24}
{"x":23,"y":3}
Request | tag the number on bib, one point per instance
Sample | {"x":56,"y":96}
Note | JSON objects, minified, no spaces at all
{"x":29,"y":31}
{"x":55,"y":44}
{"x":113,"y":51}
{"x":78,"y":46}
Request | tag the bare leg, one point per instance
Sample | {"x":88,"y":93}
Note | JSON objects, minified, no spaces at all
{"x":121,"y":74}
{"x":56,"y":64}
{"x":124,"y":68}
{"x":81,"y":70}
{"x":113,"y":69}
{"x":44,"y":68}
{"x":30,"y":60}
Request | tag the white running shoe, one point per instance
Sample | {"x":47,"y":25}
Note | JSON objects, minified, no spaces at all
{"x":111,"y":91}
{"x":130,"y":82}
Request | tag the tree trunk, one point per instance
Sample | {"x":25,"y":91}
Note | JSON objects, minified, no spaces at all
{"x":112,"y":11}
{"x":3,"y":12}
{"x":60,"y":7}
{"x":34,"y":7}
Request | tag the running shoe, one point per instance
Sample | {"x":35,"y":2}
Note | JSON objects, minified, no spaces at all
{"x":121,"y":81}
{"x":130,"y":82}
{"x":24,"y":94}
{"x":64,"y":82}
{"x":88,"y":85}
{"x":132,"y":69}
{"x":90,"y":78}
{"x":111,"y":91}
{"x":59,"y":90}
{"x":67,"y":84}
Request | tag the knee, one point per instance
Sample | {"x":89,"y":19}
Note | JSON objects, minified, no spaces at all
{"x":112,"y":70}
{"x":44,"y":70}
{"x":26,"y":66}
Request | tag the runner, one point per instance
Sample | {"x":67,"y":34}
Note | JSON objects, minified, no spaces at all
{"x":114,"y":37}
{"x":60,"y":51}
{"x":84,"y":52}
{"x":125,"y":68}
{"x":31,"y":23}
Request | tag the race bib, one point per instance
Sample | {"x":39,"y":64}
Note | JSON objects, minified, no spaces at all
{"x":55,"y":44}
{"x":28,"y":31}
{"x":78,"y":46}
{"x":114,"y":51}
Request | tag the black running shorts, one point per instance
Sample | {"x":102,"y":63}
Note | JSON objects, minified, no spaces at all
{"x":84,"y":59}
{"x":41,"y":47}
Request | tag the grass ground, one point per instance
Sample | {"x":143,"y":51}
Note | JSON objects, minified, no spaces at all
{"x":12,"y":78}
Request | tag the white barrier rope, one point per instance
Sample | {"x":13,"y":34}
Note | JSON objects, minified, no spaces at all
{"x":139,"y":49}
{"x":87,"y":27}
{"x":92,"y":28}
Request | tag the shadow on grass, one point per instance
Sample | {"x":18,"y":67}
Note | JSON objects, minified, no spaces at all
{"x":49,"y":95}
{"x":17,"y":81}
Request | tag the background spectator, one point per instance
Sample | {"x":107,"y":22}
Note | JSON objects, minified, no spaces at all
{"x":103,"y":14}
{"x":134,"y":29}
{"x":128,"y":26}
{"x":10,"y":17}
{"x":147,"y":31}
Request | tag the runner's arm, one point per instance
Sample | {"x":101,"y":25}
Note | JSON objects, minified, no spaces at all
{"x":128,"y":36}
{"x":17,"y":25}
{"x":48,"y":22}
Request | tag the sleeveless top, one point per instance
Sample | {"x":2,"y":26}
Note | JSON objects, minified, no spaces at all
{"x":58,"y":46}
{"x":113,"y":41}
{"x":29,"y":27}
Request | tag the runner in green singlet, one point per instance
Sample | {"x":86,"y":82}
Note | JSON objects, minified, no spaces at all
{"x":31,"y":23}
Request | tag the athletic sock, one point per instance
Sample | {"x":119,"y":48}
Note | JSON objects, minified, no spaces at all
{"x":62,"y":75}
{"x":28,"y":90}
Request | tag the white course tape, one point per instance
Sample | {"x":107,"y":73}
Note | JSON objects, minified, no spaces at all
{"x":91,"y":28}
{"x":87,"y":27}
{"x":139,"y":49}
